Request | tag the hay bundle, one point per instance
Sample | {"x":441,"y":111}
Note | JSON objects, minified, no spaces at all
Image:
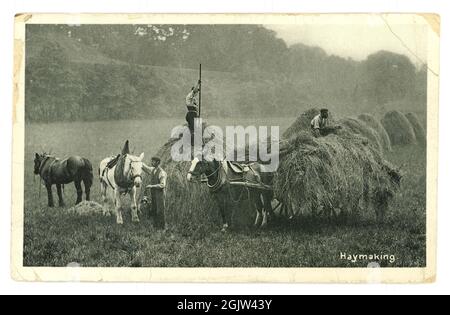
{"x":303,"y":123}
{"x":419,"y":131}
{"x":358,"y":127}
{"x":191,"y":206}
{"x":336,"y":172}
{"x":86,"y":208}
{"x":378,"y":127}
{"x":398,"y":128}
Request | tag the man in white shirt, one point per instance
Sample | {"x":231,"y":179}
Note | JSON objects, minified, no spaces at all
{"x":320,"y":123}
{"x":192,"y":106}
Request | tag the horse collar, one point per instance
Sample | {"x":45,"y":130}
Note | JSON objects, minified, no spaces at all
{"x":122,"y":180}
{"x":43,"y":163}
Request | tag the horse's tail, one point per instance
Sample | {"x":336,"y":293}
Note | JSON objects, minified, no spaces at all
{"x":88,"y":173}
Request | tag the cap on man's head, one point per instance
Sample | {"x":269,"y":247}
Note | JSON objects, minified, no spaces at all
{"x":156,"y":159}
{"x":324,"y":110}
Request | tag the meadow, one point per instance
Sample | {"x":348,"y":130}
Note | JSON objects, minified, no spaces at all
{"x":54,"y":237}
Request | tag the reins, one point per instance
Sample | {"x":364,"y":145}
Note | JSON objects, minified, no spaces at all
{"x":217,"y":185}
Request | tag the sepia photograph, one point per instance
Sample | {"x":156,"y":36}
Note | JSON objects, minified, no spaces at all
{"x":299,"y":144}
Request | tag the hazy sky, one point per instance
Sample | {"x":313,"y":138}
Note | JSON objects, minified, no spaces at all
{"x":358,"y":40}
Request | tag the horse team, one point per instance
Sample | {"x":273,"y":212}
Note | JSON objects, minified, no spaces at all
{"x":123,"y":175}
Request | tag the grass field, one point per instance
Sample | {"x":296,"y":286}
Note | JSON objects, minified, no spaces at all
{"x":53,"y":237}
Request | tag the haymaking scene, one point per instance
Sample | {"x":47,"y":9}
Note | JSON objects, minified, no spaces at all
{"x":225,"y":146}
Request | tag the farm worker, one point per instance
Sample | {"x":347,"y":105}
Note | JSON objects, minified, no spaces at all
{"x":319,"y":123}
{"x":192,"y":106}
{"x":158,"y":180}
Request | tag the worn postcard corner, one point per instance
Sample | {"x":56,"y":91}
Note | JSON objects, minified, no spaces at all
{"x":434,"y":21}
{"x":225,"y":148}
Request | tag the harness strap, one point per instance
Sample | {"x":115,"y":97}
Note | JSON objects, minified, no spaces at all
{"x":50,"y":168}
{"x":41,"y":167}
{"x":218,"y":184}
{"x":49,"y":173}
{"x":106,"y":170}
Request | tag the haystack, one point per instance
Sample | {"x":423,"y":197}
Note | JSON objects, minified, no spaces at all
{"x":358,"y":127}
{"x":191,"y":206}
{"x":336,"y":172}
{"x":86,"y":208}
{"x":378,"y":127}
{"x":398,"y":128}
{"x":419,"y":131}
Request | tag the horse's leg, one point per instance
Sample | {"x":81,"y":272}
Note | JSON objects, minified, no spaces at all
{"x":260,"y":206}
{"x":134,"y":214}
{"x":267,"y":204}
{"x":257,"y":205}
{"x":87,"y":189}
{"x":79,"y":191}
{"x":258,"y":218}
{"x":60,"y":196}
{"x":103,"y":192}
{"x":51,"y":204}
{"x":222,"y":209}
{"x":118,"y":206}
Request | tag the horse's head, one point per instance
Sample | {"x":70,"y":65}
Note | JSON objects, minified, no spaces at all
{"x":38,"y":158}
{"x":195,"y":170}
{"x":133,"y":168}
{"x":200,"y":167}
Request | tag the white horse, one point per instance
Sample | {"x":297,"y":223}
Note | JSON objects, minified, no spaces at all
{"x":125,"y":177}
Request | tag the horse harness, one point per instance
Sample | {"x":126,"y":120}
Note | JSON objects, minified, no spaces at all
{"x":221,"y":181}
{"x":47,"y":177}
{"x":112,"y":165}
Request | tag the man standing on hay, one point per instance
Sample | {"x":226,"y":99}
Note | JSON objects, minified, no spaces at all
{"x":320,"y":125}
{"x":192,"y":104}
{"x":158,"y":180}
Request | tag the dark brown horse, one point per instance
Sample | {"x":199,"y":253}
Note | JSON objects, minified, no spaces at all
{"x":225,"y":178}
{"x":54,"y":171}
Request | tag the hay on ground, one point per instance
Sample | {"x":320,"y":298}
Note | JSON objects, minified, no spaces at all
{"x":398,"y":128}
{"x":358,"y":127}
{"x":86,"y":208}
{"x":419,"y":131}
{"x":336,"y":172}
{"x":378,"y":127}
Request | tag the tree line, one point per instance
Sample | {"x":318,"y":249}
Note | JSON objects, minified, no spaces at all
{"x":102,"y":72}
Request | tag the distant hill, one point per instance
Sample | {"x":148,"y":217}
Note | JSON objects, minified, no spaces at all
{"x":100,"y":73}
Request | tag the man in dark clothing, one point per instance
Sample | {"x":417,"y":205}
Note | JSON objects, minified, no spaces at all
{"x":158,"y":181}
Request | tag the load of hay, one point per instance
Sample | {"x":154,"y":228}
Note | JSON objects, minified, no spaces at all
{"x":303,"y":123}
{"x":419,"y":131}
{"x":398,"y":128}
{"x":190,"y":206}
{"x":356,"y":126}
{"x":378,"y":127}
{"x":87,"y":208}
{"x":335,"y":173}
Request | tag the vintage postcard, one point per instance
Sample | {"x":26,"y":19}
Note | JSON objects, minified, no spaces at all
{"x":225,"y":148}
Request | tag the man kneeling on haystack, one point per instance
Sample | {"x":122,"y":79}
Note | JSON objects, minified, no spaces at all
{"x":320,"y":125}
